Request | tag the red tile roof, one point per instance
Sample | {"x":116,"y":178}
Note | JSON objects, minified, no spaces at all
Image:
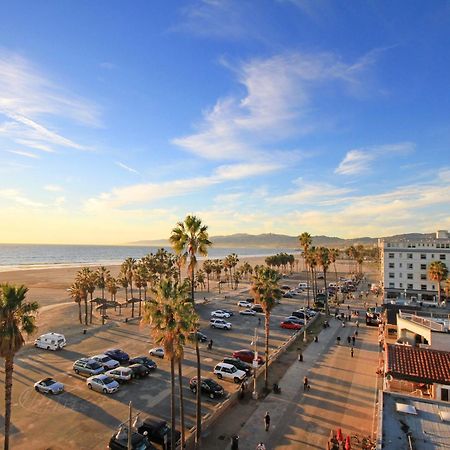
{"x":418,"y":364}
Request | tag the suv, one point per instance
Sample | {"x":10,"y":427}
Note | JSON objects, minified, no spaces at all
{"x":220,"y":323}
{"x":120,"y":374}
{"x":241,"y":365}
{"x":87,"y":367}
{"x":139,"y":370}
{"x":229,"y":372}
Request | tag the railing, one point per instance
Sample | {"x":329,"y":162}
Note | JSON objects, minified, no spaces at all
{"x":429,"y":323}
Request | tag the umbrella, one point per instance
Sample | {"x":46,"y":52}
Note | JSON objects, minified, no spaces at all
{"x":348,"y":445}
{"x":339,"y":436}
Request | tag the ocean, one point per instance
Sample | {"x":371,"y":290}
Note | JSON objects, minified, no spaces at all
{"x":26,"y":256}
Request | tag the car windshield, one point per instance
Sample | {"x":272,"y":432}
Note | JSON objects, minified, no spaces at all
{"x":233,"y":369}
{"x":211,"y":383}
{"x":105,"y":359}
{"x":107,"y":380}
{"x":48,"y":382}
{"x":95,"y":365}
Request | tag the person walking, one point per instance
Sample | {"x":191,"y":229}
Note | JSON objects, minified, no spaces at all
{"x":349,"y":339}
{"x":353,"y":340}
{"x":305,"y":383}
{"x":267,"y":421}
{"x":351,"y":352}
{"x":338,"y":339}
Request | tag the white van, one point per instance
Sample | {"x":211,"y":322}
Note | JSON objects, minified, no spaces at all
{"x":50,"y":341}
{"x":302,"y":286}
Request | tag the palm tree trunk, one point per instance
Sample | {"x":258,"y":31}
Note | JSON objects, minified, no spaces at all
{"x":172,"y":403}
{"x":126,"y":297}
{"x":326,"y":291}
{"x":90,"y":314}
{"x":207,"y":277}
{"x":307,"y":283}
{"x":192,"y":284}
{"x":335,"y":271}
{"x":180,"y":381}
{"x":266,"y":369}
{"x":132,"y":306}
{"x":9,"y":368}
{"x":79,"y":313}
{"x":198,"y":409}
{"x":85,"y":311}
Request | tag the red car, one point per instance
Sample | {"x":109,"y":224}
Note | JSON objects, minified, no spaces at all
{"x":290,"y":325}
{"x":247,"y":356}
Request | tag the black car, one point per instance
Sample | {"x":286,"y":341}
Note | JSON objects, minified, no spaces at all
{"x":209,"y":387}
{"x":156,"y":430}
{"x":240,"y":365}
{"x":118,"y":355}
{"x":257,"y":308}
{"x":139,"y":371}
{"x":200,"y":336}
{"x":119,"y":441}
{"x":147,"y":362}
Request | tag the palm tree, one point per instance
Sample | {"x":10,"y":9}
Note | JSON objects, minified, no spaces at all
{"x":84,"y":280}
{"x":88,"y":278}
{"x":76,"y":293}
{"x":323,"y":260}
{"x":437,"y":271}
{"x":102,"y":275}
{"x":140,"y":281}
{"x":16,"y":317}
{"x":447,"y":288}
{"x":200,"y":278}
{"x":208,"y":268}
{"x":190,"y":238}
{"x":266,"y":291}
{"x":334,"y":255}
{"x":111,"y":285}
{"x":305,"y":242}
{"x":128,"y":268}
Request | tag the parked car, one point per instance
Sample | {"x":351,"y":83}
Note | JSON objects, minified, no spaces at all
{"x":220,"y":314}
{"x":139,"y":370}
{"x":118,"y":355}
{"x":295,"y":319}
{"x":102,"y":383}
{"x":288,"y":295}
{"x":200,"y":336}
{"x":241,"y":365}
{"x":147,"y":362}
{"x":157,"y":430}
{"x":49,"y":386}
{"x":248,"y":312}
{"x":208,"y":387}
{"x":50,"y":341}
{"x":157,"y":351}
{"x":244,"y":304}
{"x":220,"y":323}
{"x":247,"y":356}
{"x":87,"y":367}
{"x":290,"y":325}
{"x":285,"y":287}
{"x":258,"y":308}
{"x":229,"y":372}
{"x":119,"y":441}
{"x":300,"y":315}
{"x":250,"y":300}
{"x":106,"y":361}
{"x":120,"y":374}
{"x":228,"y":311}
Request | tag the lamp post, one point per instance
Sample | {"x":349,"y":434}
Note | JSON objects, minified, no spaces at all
{"x":305,"y":328}
{"x":255,"y":363}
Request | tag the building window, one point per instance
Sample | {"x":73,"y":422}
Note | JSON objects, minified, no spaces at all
{"x":391,"y":275}
{"x":401,"y":265}
{"x":410,"y":276}
{"x":410,"y":286}
{"x":391,"y":255}
{"x":401,"y":285}
{"x":391,"y":265}
{"x":409,"y":255}
{"x":423,"y":287}
{"x":432,"y":287}
{"x":423,"y":267}
{"x":392,"y":285}
{"x":423,"y":276}
{"x":410,"y":266}
{"x":423,"y":256}
{"x":444,"y":394}
{"x":432,"y":256}
{"x":442,"y":257}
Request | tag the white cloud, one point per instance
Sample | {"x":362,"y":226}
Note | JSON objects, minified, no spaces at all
{"x":17,"y":197}
{"x":53,"y":188}
{"x":358,"y":161}
{"x":26,"y":154}
{"x":125,"y":167}
{"x":275,"y":106}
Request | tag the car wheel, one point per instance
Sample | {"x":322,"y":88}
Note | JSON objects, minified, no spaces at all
{"x":52,"y":392}
{"x":194,"y":390}
{"x":48,"y":348}
{"x":90,"y":386}
{"x":104,"y":391}
{"x":37,"y":389}
{"x":219,"y":376}
{"x":211,"y":395}
{"x":237,"y":380}
{"x":213,"y":326}
{"x":77,"y":371}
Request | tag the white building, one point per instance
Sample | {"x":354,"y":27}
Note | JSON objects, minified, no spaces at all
{"x":404,"y":265}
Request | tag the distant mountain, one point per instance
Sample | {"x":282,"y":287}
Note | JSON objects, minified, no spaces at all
{"x":282,"y":241}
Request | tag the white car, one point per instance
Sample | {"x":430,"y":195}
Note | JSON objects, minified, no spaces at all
{"x":49,"y":386}
{"x":229,"y":372}
{"x":244,"y":304}
{"x":120,"y":374}
{"x":107,"y":362}
{"x":102,"y":383}
{"x":220,"y":323}
{"x":248,"y":312}
{"x":220,"y":314}
{"x":157,"y":351}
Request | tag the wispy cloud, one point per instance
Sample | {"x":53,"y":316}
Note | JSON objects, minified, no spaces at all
{"x":23,"y":153}
{"x":30,"y":101}
{"x":17,"y":197}
{"x":276,"y":105}
{"x":359,"y":161}
{"x":125,"y":167}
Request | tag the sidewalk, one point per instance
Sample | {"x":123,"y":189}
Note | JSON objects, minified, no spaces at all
{"x":343,"y":393}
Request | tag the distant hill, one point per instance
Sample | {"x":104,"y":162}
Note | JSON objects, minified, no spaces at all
{"x":272,"y":240}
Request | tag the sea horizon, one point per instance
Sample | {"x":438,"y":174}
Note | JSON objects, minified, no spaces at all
{"x":45,"y":256}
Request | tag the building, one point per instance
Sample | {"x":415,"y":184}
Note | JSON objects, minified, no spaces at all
{"x":404,"y":265}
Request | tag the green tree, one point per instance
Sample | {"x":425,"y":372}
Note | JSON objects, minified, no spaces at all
{"x":305,"y":243}
{"x":190,"y":238}
{"x":334,"y":255}
{"x":76,"y":293}
{"x":128,"y":268}
{"x":323,"y":260}
{"x":16,"y":317}
{"x":266,"y":291}
{"x":437,"y":271}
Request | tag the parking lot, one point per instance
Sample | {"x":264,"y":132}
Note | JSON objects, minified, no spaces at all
{"x":83,"y":419}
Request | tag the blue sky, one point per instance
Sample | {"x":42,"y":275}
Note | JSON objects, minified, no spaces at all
{"x":118,"y":119}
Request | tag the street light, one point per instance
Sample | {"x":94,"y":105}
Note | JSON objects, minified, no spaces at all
{"x":255,"y":363}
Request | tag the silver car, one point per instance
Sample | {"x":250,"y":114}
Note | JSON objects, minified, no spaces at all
{"x":107,"y":362}
{"x":49,"y":386}
{"x":102,"y":383}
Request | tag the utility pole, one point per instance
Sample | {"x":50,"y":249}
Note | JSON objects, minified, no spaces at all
{"x":130,"y":431}
{"x":255,"y":363}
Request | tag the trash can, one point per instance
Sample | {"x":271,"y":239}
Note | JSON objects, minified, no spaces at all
{"x":235,"y":442}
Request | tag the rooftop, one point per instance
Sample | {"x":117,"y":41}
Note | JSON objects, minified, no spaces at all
{"x":427,"y":428}
{"x":440,"y":324}
{"x":418,"y":364}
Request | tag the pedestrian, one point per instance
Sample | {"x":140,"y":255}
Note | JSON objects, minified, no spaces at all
{"x":349,"y":339}
{"x":259,"y":320}
{"x":356,"y":332}
{"x":353,"y":339}
{"x":300,"y":357}
{"x":348,"y":307}
{"x":267,"y":421}
{"x":351,"y":352}
{"x":242,"y":391}
{"x":261,"y":446}
{"x":305,"y":383}
{"x":210,"y":344}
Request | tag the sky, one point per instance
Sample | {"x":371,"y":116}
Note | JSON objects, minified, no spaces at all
{"x":117,"y":119}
